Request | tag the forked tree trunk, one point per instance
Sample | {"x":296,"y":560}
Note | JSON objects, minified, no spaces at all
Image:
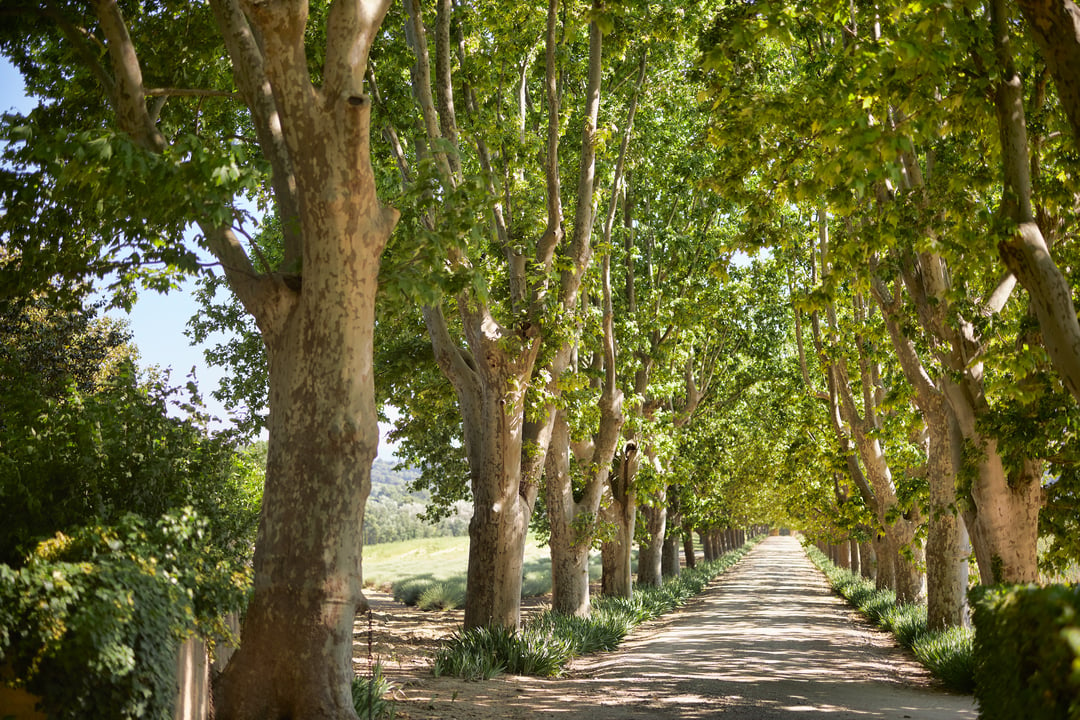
{"x":295,"y":655}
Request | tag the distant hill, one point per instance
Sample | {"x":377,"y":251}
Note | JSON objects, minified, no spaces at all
{"x":394,"y":513}
{"x":386,"y":481}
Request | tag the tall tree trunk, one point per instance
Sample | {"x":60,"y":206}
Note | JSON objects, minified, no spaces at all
{"x":885,"y":577}
{"x":947,"y":546}
{"x":867,"y":560}
{"x":569,"y":550}
{"x":650,"y":551}
{"x":688,"y":546}
{"x":295,"y":655}
{"x":621,"y":512}
{"x":669,"y":562}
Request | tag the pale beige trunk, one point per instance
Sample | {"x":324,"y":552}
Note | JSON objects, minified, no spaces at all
{"x":1002,"y":514}
{"x":947,"y":546}
{"x":910,"y":583}
{"x":573,"y":523}
{"x":501,"y":507}
{"x":295,"y":655}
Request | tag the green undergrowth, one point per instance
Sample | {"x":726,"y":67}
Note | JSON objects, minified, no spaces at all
{"x":948,"y":654}
{"x":369,"y":695}
{"x":547,"y":643}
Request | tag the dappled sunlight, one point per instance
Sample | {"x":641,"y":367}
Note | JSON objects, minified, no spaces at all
{"x":768,"y":640}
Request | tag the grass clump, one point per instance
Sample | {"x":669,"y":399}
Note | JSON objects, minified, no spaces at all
{"x":369,"y":695}
{"x":950,"y":655}
{"x":547,"y":643}
{"x":480,"y":653}
{"x":907,"y":622}
{"x":442,"y":596}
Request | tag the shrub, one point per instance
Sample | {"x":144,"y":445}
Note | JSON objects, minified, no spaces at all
{"x":92,"y":622}
{"x":907,"y":621}
{"x":409,"y":591}
{"x":1027,"y":651}
{"x":442,"y":596}
{"x":877,"y":604}
{"x":949,"y":654}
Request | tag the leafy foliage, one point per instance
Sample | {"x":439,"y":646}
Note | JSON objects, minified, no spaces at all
{"x":1027,"y":649}
{"x":85,"y":439}
{"x":92,"y":622}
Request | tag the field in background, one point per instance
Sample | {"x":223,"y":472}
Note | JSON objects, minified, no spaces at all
{"x":447,"y":558}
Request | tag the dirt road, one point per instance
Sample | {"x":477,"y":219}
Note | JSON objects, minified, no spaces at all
{"x":768,"y":641}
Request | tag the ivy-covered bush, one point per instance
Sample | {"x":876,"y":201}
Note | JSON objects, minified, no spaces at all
{"x":1027,"y":651}
{"x":92,"y":621}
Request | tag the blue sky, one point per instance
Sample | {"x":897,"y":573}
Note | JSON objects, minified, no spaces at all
{"x":157,"y":321}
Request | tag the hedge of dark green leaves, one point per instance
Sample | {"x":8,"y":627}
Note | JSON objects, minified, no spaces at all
{"x":92,"y":621}
{"x":1027,"y":650}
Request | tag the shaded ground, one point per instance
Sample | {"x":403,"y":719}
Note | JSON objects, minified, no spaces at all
{"x":767,"y":641}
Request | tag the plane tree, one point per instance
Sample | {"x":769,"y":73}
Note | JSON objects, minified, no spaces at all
{"x":156,"y":116}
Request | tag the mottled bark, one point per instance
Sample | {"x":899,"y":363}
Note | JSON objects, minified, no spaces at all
{"x":1056,"y":27}
{"x":947,"y":546}
{"x":295,"y":656}
{"x":650,"y":550}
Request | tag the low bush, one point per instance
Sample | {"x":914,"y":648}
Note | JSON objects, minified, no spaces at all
{"x":446,"y":595}
{"x":409,"y":591}
{"x":907,"y":622}
{"x":1027,"y":651}
{"x":92,"y":621}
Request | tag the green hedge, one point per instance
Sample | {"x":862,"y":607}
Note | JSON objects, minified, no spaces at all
{"x":1027,"y":651}
{"x":92,"y":622}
